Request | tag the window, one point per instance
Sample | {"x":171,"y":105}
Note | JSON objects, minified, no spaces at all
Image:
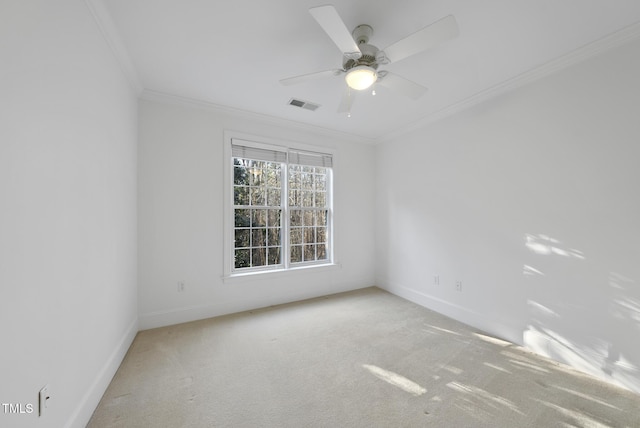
{"x":281,"y":211}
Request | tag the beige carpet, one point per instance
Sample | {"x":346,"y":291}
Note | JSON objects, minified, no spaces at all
{"x":359,"y":359}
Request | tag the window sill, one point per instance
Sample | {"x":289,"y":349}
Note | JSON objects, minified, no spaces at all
{"x":277,"y":273}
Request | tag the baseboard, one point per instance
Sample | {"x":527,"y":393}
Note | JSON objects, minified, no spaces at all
{"x":194,"y":313}
{"x":496,"y":327}
{"x":88,"y":404}
{"x":176,"y":316}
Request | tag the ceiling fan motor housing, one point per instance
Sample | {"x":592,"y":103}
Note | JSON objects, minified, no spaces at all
{"x":368,"y":57}
{"x":362,"y":34}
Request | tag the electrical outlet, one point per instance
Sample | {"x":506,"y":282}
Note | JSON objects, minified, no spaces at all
{"x":44,"y":397}
{"x":180,"y":286}
{"x":459,"y":285}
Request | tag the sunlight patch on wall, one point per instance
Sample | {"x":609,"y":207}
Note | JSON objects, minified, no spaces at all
{"x":604,"y":353}
{"x":619,"y":281}
{"x":630,"y":306}
{"x":545,"y":245}
{"x":541,"y":310}
{"x":552,"y":345}
{"x":604,"y":361}
{"x":396,"y":380}
{"x":531,"y":271}
{"x":625,"y":306}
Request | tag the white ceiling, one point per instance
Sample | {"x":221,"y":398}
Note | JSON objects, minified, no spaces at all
{"x":233,"y":53}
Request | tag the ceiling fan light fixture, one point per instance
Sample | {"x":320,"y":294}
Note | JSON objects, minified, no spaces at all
{"x":361,"y":77}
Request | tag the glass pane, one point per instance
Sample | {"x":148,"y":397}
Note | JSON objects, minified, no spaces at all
{"x":322,"y":252}
{"x":322,"y":218}
{"x":257,"y":195}
{"x":321,"y":199}
{"x":309,"y":252}
{"x":273,"y":197}
{"x":242,"y":238}
{"x":274,"y":173}
{"x":296,"y":218}
{"x":273,"y":238}
{"x":240,"y":175}
{"x":240,"y":195}
{"x":256,"y":173}
{"x":307,"y":198}
{"x":294,"y":179}
{"x":273,"y":256}
{"x":258,"y":218}
{"x":309,"y":218}
{"x":321,"y":182}
{"x":294,"y":168}
{"x":259,"y":237}
{"x":296,"y":236}
{"x":273,"y":218}
{"x":258,"y":256}
{"x":322,"y":171}
{"x":307,"y":181}
{"x":242,"y":259}
{"x":294,"y":198}
{"x":309,"y":235}
{"x":321,"y":234}
{"x":296,"y":253}
{"x":242,"y":218}
{"x":307,"y":169}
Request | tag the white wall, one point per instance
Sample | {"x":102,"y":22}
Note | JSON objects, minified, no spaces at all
{"x":180,"y":209}
{"x":67,"y":211}
{"x":531,"y":200}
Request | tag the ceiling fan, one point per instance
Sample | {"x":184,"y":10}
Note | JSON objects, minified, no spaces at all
{"x":361,"y":60}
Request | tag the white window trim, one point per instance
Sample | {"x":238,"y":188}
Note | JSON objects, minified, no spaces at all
{"x":228,"y":221}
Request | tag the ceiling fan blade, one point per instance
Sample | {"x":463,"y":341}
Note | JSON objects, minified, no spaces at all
{"x":332,"y":24}
{"x":347,"y":101}
{"x":421,"y":40}
{"x":400,"y":84}
{"x":310,"y":77}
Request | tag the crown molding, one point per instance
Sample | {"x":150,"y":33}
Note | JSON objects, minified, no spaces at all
{"x":163,"y":97}
{"x":591,"y":50}
{"x":110,"y":34}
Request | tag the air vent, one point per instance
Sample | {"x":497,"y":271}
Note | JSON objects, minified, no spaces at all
{"x":303,"y":104}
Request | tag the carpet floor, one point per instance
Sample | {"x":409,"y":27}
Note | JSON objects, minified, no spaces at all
{"x":359,"y":359}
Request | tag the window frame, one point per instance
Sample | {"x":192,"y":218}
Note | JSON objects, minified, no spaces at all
{"x":229,"y":217}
